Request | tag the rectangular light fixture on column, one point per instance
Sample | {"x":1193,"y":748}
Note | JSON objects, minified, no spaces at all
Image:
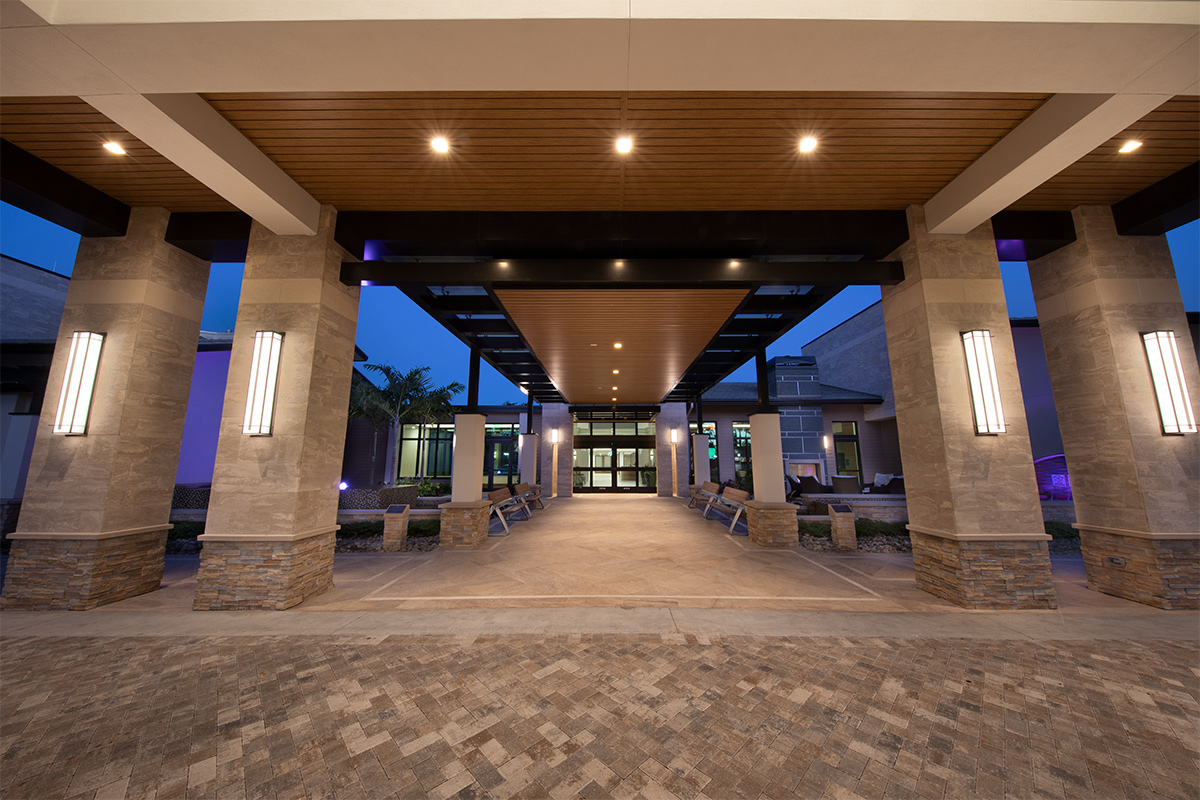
{"x":1170,"y":389}
{"x":264,"y":377}
{"x":83,"y":363}
{"x":985,"y":389}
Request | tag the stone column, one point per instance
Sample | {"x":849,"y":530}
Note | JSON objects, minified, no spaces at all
{"x":700,"y":463}
{"x":771,"y":520}
{"x":557,"y":472}
{"x":1136,"y":490}
{"x":671,"y":417}
{"x":94,"y":519}
{"x":974,"y":515}
{"x":465,"y":517}
{"x":268,"y":542}
{"x":527,"y":458}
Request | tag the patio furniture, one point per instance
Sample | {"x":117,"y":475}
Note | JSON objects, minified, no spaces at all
{"x":505,"y":505}
{"x":531,"y":495}
{"x":731,"y":502}
{"x":846,"y":484}
{"x":807,"y":484}
{"x":703,"y":493}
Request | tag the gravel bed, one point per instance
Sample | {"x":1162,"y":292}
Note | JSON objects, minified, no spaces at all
{"x":362,"y":544}
{"x":891,"y":544}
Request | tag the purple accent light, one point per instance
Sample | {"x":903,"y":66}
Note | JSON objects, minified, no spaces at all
{"x":343,"y":486}
{"x":373,"y":250}
{"x":1011,"y":249}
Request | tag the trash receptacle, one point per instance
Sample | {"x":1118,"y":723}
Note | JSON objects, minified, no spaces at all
{"x":395,"y":527}
{"x":841,"y":521}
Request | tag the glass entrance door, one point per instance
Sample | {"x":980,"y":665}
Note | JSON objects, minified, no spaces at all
{"x":615,"y":456}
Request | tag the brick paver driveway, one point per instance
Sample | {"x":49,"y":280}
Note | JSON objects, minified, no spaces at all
{"x":624,"y":716}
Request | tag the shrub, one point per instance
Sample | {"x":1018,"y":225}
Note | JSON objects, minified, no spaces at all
{"x":817,"y":530}
{"x":431,"y":489}
{"x":1061,"y":530}
{"x":185,"y":530}
{"x":360,"y":530}
{"x":419,"y":528}
{"x":873,"y":527}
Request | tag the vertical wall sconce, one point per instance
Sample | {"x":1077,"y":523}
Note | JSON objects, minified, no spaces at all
{"x":1170,"y":388}
{"x":75,"y":402}
{"x":553,"y":463}
{"x":674,"y":436}
{"x":824,"y":442}
{"x":554,"y":435}
{"x":264,"y":376}
{"x":985,"y":389}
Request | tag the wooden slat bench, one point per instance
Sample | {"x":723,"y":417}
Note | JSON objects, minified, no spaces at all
{"x":505,"y":505}
{"x":530,"y":494}
{"x":731,"y":502}
{"x":703,"y":493}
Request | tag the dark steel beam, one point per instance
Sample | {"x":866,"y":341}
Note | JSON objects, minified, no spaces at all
{"x":29,"y":183}
{"x":1164,"y":206}
{"x":211,"y":235}
{"x":1026,"y":235}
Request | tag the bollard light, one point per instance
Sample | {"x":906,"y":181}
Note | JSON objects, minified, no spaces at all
{"x":1170,"y":388}
{"x":985,"y":389}
{"x":264,"y":377}
{"x":83,"y":363}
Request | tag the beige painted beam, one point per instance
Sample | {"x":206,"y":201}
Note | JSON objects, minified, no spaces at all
{"x":191,"y":134}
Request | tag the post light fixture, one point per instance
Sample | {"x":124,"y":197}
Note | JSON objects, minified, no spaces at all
{"x":554,"y":435}
{"x":985,"y":389}
{"x":83,"y":363}
{"x":674,"y":436}
{"x":1170,"y":388}
{"x":264,"y":379}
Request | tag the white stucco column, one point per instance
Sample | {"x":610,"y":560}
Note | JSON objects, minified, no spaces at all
{"x":466,"y":473}
{"x":766,"y":457}
{"x":700,"y":463}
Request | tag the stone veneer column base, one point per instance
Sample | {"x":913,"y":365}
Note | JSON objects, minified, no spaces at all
{"x":772,"y":524}
{"x":464,"y":524}
{"x":241,"y":572}
{"x":395,"y":529}
{"x":78,"y":571}
{"x":1159,"y":570}
{"x":996,"y":573}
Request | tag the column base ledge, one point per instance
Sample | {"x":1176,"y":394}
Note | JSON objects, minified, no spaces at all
{"x":1083,"y":526}
{"x":981,"y":537}
{"x":768,"y":505}
{"x":465,"y":504}
{"x":75,"y":535}
{"x":267,"y":537}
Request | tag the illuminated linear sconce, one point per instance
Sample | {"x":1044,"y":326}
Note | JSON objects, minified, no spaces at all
{"x":985,"y":389}
{"x":75,"y":402}
{"x":674,"y":436}
{"x":264,"y":379}
{"x":1170,"y":388}
{"x":554,"y":435}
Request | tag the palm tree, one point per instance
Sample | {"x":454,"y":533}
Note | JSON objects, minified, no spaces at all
{"x":368,"y":402}
{"x":405,"y":397}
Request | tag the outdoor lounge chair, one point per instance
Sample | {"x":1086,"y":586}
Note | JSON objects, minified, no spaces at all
{"x":703,"y":492}
{"x":505,"y":505}
{"x":530,"y":494}
{"x":731,"y":502}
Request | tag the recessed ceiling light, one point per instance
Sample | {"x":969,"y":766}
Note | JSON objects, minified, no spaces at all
{"x":735,"y":264}
{"x":617,"y":345}
{"x":614,"y":399}
{"x":808,"y":144}
{"x":441,"y":144}
{"x":114,"y":148}
{"x":504,"y":263}
{"x":614,"y":388}
{"x":620,"y":263}
{"x":616,"y":372}
{"x":1129,"y":146}
{"x":625,"y":144}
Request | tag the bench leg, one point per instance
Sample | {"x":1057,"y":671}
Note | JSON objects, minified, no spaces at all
{"x":503,"y":522}
{"x":735,"y":519}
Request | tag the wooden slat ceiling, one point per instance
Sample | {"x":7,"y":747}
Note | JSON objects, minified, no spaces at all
{"x":68,"y":133}
{"x":661,"y":331}
{"x":554,"y":151}
{"x":1170,"y":137}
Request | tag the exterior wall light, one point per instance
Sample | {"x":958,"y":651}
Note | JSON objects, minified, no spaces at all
{"x":264,"y":378}
{"x":985,"y":389}
{"x":554,"y":435}
{"x":1170,"y":388}
{"x":83,"y":363}
{"x":674,"y":436}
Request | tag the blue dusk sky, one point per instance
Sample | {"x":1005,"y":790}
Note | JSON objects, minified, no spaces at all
{"x":394,"y":330}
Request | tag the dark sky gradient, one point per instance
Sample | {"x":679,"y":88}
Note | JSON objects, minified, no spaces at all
{"x":393,"y":330}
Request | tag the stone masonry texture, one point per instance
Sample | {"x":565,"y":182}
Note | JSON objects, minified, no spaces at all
{"x":78,"y":574}
{"x":1164,"y":573}
{"x":263,"y":574}
{"x":841,"y":525}
{"x":995,"y":574}
{"x":596,"y":716}
{"x":464,"y":524}
{"x":772,"y":524}
{"x":395,"y":530}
